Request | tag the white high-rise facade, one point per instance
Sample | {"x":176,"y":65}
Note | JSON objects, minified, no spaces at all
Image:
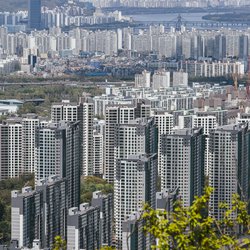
{"x":180,"y":79}
{"x":114,"y":115}
{"x":135,"y":186}
{"x":84,"y":113}
{"x":165,"y":123}
{"x":135,"y":170}
{"x":29,"y":125}
{"x":86,"y":117}
{"x":11,"y":149}
{"x":228,"y":165}
{"x":65,"y":110}
{"x":143,"y":80}
{"x":58,"y":153}
{"x":98,"y":152}
{"x":182,"y":161}
{"x":208,"y":123}
{"x":161,"y":79}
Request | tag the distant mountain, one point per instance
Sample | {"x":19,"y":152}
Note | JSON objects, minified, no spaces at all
{"x":15,"y":5}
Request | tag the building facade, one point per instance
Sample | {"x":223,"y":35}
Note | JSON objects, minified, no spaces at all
{"x":228,"y":165}
{"x":182,"y":156}
{"x":34,"y":21}
{"x":39,"y":214}
{"x":58,"y":153}
{"x":83,"y":228}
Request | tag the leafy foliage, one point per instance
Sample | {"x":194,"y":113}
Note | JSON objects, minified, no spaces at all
{"x":59,"y":243}
{"x":192,"y":228}
{"x":91,"y":184}
{"x":50,"y":94}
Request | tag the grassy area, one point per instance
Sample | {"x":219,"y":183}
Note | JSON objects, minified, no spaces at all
{"x":91,"y":184}
{"x":50,"y":93}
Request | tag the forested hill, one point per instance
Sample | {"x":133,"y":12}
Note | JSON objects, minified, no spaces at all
{"x":15,"y":5}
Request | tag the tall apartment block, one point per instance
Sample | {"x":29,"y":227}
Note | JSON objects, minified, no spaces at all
{"x":135,"y":185}
{"x":65,"y":110}
{"x":142,"y":108}
{"x":98,"y":144}
{"x":98,"y":147}
{"x":105,"y":203}
{"x":208,"y":123}
{"x":26,"y":216}
{"x":11,"y":149}
{"x":228,"y":165}
{"x":39,"y":214}
{"x":133,"y":236}
{"x":115,"y":115}
{"x":135,"y":169}
{"x":143,"y":80}
{"x":30,"y":123}
{"x":17,"y":147}
{"x":221,"y":116}
{"x":55,"y":206}
{"x":86,"y":118}
{"x":83,"y":228}
{"x":139,"y":136}
{"x":84,"y":113}
{"x":165,"y":199}
{"x":165,"y":123}
{"x":35,"y":20}
{"x":58,"y":153}
{"x":180,"y":79}
{"x":161,"y":79}
{"x":182,"y":156}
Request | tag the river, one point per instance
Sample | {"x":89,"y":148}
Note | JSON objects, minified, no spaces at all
{"x":196,"y":17}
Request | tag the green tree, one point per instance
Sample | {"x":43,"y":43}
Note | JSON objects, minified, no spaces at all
{"x":90,"y":184}
{"x":59,"y":243}
{"x":192,"y":228}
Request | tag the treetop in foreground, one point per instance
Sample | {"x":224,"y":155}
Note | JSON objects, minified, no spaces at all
{"x":193,"y":227}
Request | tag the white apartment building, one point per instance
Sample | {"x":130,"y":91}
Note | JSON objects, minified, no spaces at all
{"x":207,"y":123}
{"x":165,"y":123}
{"x":98,"y":153}
{"x":143,"y":80}
{"x":86,"y":118}
{"x":84,"y":113}
{"x":161,"y":79}
{"x":135,"y":185}
{"x":228,"y":165}
{"x":11,"y":149}
{"x":29,"y":125}
{"x":64,"y":111}
{"x":58,"y":153}
{"x":114,"y":115}
{"x":182,"y":163}
{"x":180,"y":79}
{"x":135,"y":169}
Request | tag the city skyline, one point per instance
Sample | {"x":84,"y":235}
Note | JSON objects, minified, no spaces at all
{"x":104,"y":110}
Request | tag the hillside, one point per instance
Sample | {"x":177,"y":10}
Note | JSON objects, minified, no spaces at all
{"x":14,"y":5}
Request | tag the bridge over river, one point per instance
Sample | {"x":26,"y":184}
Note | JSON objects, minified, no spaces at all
{"x":200,"y":24}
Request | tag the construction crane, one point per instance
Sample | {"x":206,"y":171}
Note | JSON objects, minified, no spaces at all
{"x":235,"y":78}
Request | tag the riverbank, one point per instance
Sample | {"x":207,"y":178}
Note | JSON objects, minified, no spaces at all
{"x":228,"y":17}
